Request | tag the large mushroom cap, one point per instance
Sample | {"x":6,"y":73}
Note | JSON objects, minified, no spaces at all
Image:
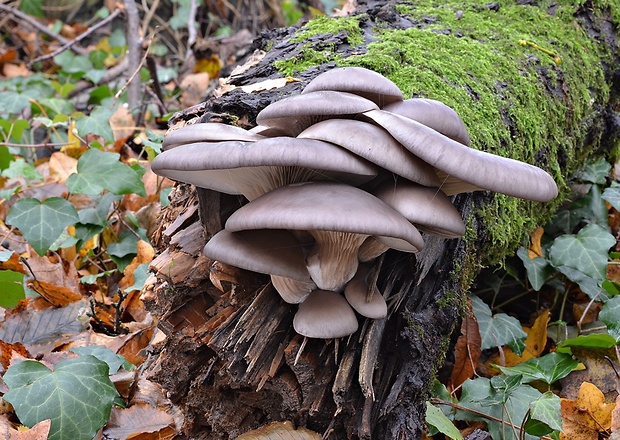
{"x":326,"y":206}
{"x":429,"y":209}
{"x":256,"y":167}
{"x":375,"y":144}
{"x":325,"y":315}
{"x":296,"y":113}
{"x":358,"y":80}
{"x":273,"y":252}
{"x":207,"y":132}
{"x":292,"y":291}
{"x":433,"y":114}
{"x":478,"y":169}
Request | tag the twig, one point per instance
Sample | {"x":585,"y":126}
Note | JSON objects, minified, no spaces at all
{"x":191,"y":28}
{"x":38,"y":26}
{"x":43,"y":145}
{"x":80,"y":37}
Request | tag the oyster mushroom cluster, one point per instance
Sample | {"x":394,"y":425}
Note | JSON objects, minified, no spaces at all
{"x":334,"y":177}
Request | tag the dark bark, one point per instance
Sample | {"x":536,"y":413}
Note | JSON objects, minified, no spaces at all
{"x":229,"y":357}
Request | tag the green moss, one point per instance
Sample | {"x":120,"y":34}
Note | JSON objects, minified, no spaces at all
{"x":317,"y":50}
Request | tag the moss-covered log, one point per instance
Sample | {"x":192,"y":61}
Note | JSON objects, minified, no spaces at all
{"x":536,"y":81}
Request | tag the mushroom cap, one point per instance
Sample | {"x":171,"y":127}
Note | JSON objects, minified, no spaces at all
{"x":375,"y":144}
{"x":296,"y":113}
{"x":292,"y":291}
{"x":429,"y":209}
{"x":327,"y":206}
{"x":273,"y":252}
{"x":356,"y":293}
{"x":433,"y":114}
{"x":358,"y":80}
{"x":252,"y":168}
{"x":478,"y":169}
{"x":325,"y":314}
{"x":207,"y":132}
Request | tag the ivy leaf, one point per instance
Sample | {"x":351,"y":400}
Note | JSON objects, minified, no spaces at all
{"x":586,"y":251}
{"x":538,"y":269}
{"x":13,"y":102}
{"x":479,"y":395}
{"x":593,"y":341}
{"x":436,"y":418}
{"x":99,"y":171}
{"x":41,"y":223}
{"x":114,"y":361}
{"x":595,"y":171}
{"x":499,"y":329}
{"x":546,"y":409}
{"x":77,"y":396}
{"x":587,"y":284}
{"x":12,"y":288}
{"x":612,"y":195}
{"x":98,"y":122}
{"x":549,"y":368}
{"x":610,"y":315}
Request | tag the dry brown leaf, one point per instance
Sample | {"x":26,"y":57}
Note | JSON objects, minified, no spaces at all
{"x":137,"y":420}
{"x":56,"y":295}
{"x":194,"y":87}
{"x":467,"y":351}
{"x":280,"y":431}
{"x":9,"y":352}
{"x":54,"y":271}
{"x":13,"y":263}
{"x":587,"y":416}
{"x":123,"y":125}
{"x":534,"y":343}
{"x":615,"y":416}
{"x":39,"y":431}
{"x":62,"y":166}
{"x":145,"y":254}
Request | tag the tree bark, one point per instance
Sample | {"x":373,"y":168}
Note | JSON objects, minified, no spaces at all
{"x":229,"y":357}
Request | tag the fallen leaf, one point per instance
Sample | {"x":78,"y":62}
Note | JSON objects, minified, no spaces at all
{"x":39,"y":431}
{"x":586,"y":417}
{"x":56,"y":295}
{"x":140,"y":421}
{"x":535,"y":249}
{"x":8,"y":352}
{"x":62,"y":166}
{"x":194,"y":87}
{"x":280,"y":431}
{"x":467,"y":351}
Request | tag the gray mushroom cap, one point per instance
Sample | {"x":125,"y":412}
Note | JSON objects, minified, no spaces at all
{"x":433,"y":114}
{"x":429,"y":209}
{"x":375,"y":144}
{"x":327,"y":206}
{"x":358,"y":80}
{"x":254,"y":168}
{"x":325,"y":314}
{"x":458,"y":163}
{"x":207,"y":132}
{"x":356,"y":293}
{"x":273,"y":252}
{"x":296,"y":113}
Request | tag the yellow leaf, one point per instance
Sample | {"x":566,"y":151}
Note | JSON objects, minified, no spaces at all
{"x":280,"y":431}
{"x":586,"y":417}
{"x":535,"y":249}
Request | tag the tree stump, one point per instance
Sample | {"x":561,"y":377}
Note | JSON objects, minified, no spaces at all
{"x":535,"y":84}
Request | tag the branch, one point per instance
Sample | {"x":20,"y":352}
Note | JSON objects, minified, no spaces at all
{"x":134,"y":42}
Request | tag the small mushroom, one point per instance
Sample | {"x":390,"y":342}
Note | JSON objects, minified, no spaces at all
{"x":207,"y":132}
{"x":357,"y":291}
{"x":360,"y":81}
{"x":429,"y":209}
{"x":255,"y":168}
{"x":461,"y":168}
{"x":294,"y":114}
{"x":273,"y":252}
{"x":374,"y":144}
{"x":325,"y":314}
{"x":339,"y":217}
{"x":433,"y":114}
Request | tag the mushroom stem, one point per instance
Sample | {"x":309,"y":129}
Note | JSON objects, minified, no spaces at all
{"x":333,"y":260}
